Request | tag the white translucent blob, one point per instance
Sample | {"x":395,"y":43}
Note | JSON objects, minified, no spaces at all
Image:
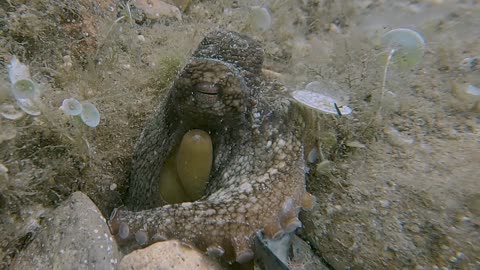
{"x":21,"y":84}
{"x":9,"y":112}
{"x":472,"y":90}
{"x":90,"y":115}
{"x":24,"y":88}
{"x":28,"y":106}
{"x":406,"y":46}
{"x":72,"y":106}
{"x":17,"y":71}
{"x":7,"y":132}
{"x":320,"y":102}
{"x":314,"y":86}
{"x":260,"y":18}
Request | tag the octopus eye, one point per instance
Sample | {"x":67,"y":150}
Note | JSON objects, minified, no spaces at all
{"x":206,"y":92}
{"x":207,"y":88}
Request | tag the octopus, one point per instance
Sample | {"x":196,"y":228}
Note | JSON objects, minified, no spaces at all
{"x":256,"y":181}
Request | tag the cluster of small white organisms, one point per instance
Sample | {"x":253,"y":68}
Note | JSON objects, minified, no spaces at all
{"x":27,"y":94}
{"x":86,"y":111}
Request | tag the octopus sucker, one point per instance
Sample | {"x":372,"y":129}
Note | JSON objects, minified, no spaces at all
{"x":123,"y":231}
{"x":141,"y":237}
{"x":290,"y":224}
{"x":308,"y":201}
{"x":250,"y":154}
{"x":273,"y":230}
{"x":242,"y":248}
{"x":215,"y":251}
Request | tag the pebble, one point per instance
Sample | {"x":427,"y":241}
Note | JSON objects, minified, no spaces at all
{"x":113,"y":186}
{"x":154,"y":9}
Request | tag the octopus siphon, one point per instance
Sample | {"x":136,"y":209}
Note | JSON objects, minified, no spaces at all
{"x":256,"y":181}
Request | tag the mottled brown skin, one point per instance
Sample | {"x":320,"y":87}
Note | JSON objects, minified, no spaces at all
{"x":257,"y":180}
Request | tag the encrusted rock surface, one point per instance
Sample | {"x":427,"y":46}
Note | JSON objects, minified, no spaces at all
{"x":74,"y":236}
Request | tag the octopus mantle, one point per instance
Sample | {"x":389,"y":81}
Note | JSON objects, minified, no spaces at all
{"x":257,"y":179}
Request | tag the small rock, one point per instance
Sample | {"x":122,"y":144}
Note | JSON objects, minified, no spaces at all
{"x":113,"y":186}
{"x":141,"y":38}
{"x":154,"y":9}
{"x":303,"y":257}
{"x":385,"y":203}
{"x":75,"y":236}
{"x":181,"y":4}
{"x":168,"y":255}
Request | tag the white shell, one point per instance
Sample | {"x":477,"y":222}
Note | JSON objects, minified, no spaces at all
{"x":320,"y":102}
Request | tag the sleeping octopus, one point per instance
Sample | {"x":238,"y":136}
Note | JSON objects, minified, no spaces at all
{"x":256,"y":176}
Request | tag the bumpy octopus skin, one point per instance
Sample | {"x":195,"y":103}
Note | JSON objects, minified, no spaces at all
{"x":257,"y":180}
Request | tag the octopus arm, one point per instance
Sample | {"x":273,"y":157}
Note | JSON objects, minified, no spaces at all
{"x":153,"y":147}
{"x":224,"y":223}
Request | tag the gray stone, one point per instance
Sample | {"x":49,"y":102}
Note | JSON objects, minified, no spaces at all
{"x":75,"y":236}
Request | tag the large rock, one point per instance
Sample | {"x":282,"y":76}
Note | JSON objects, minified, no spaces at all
{"x":75,"y":236}
{"x":172,"y":255}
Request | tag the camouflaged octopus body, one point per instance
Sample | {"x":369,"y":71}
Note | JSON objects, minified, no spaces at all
{"x":257,"y":180}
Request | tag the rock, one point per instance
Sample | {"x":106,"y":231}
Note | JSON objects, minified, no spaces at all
{"x":181,"y":4}
{"x":168,"y":255}
{"x":154,"y":9}
{"x":303,"y":257}
{"x":75,"y":236}
{"x":290,"y":251}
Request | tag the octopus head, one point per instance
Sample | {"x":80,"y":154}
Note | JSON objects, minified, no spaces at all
{"x":218,"y":84}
